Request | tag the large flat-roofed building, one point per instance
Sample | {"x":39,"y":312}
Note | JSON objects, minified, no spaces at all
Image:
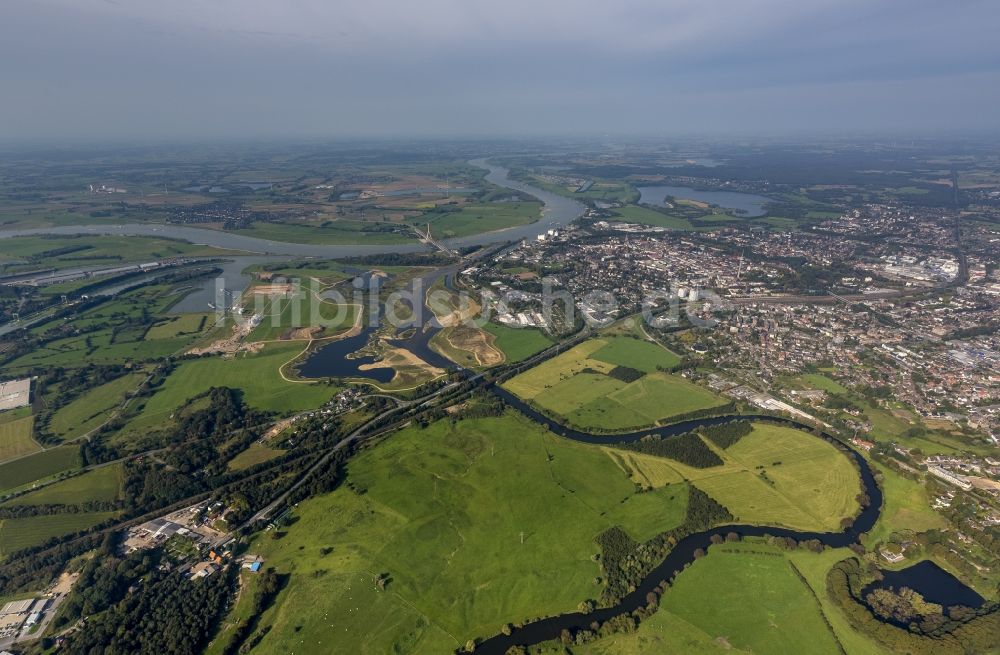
{"x":161,"y":527}
{"x":15,"y":393}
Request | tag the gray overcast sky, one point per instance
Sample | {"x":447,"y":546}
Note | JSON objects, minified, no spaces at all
{"x":187,"y":69}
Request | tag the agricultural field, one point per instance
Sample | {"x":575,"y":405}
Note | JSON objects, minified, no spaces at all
{"x":98,"y":485}
{"x":119,"y":333}
{"x":475,"y":523}
{"x":92,"y":408}
{"x":517,"y":343}
{"x":773,"y":476}
{"x":578,"y":386}
{"x":753,"y":601}
{"x":634,"y":353}
{"x":647,"y":471}
{"x":255,"y":374}
{"x":19,"y":533}
{"x":37,"y":466}
{"x":15,"y":436}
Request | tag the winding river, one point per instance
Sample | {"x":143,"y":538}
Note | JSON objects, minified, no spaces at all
{"x":683,"y":553}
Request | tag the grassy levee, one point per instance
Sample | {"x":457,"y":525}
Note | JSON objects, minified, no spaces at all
{"x":475,"y":523}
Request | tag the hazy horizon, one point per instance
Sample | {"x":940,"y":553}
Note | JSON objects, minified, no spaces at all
{"x":90,"y":70}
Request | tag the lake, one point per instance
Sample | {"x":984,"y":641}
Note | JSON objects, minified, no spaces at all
{"x":751,"y":204}
{"x":930,"y":581}
{"x":331,"y":360}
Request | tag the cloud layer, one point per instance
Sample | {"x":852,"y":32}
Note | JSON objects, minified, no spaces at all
{"x":243,"y":68}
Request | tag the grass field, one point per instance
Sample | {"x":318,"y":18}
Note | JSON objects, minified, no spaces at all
{"x":814,"y":567}
{"x":103,"y":484}
{"x":283,"y":315}
{"x":751,"y":600}
{"x":37,"y":466}
{"x":476,"y":219}
{"x":15,"y":437}
{"x":646,"y":470}
{"x":486,"y":521}
{"x":638,"y":354}
{"x":103,"y":249}
{"x":255,"y":374}
{"x":102,"y":343}
{"x":257,"y":453}
{"x":636,"y":214}
{"x":812,"y":488}
{"x":334,"y":233}
{"x":181,"y":325}
{"x":576,"y":386}
{"x":518,"y":343}
{"x":16,"y":534}
{"x":905,"y":506}
{"x":90,"y":409}
{"x":819,"y":381}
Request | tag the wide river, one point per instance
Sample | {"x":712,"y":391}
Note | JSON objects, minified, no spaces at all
{"x":558,"y":210}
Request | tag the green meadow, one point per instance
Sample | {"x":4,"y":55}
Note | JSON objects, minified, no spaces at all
{"x":744,"y":597}
{"x":637,"y":214}
{"x":476,"y":523}
{"x":303,"y":309}
{"x":101,"y":484}
{"x":773,"y":476}
{"x":476,"y":219}
{"x":39,"y":465}
{"x":518,"y":343}
{"x":577,"y":386}
{"x":92,"y":408}
{"x":255,"y":374}
{"x":15,"y":436}
{"x":16,"y":534}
